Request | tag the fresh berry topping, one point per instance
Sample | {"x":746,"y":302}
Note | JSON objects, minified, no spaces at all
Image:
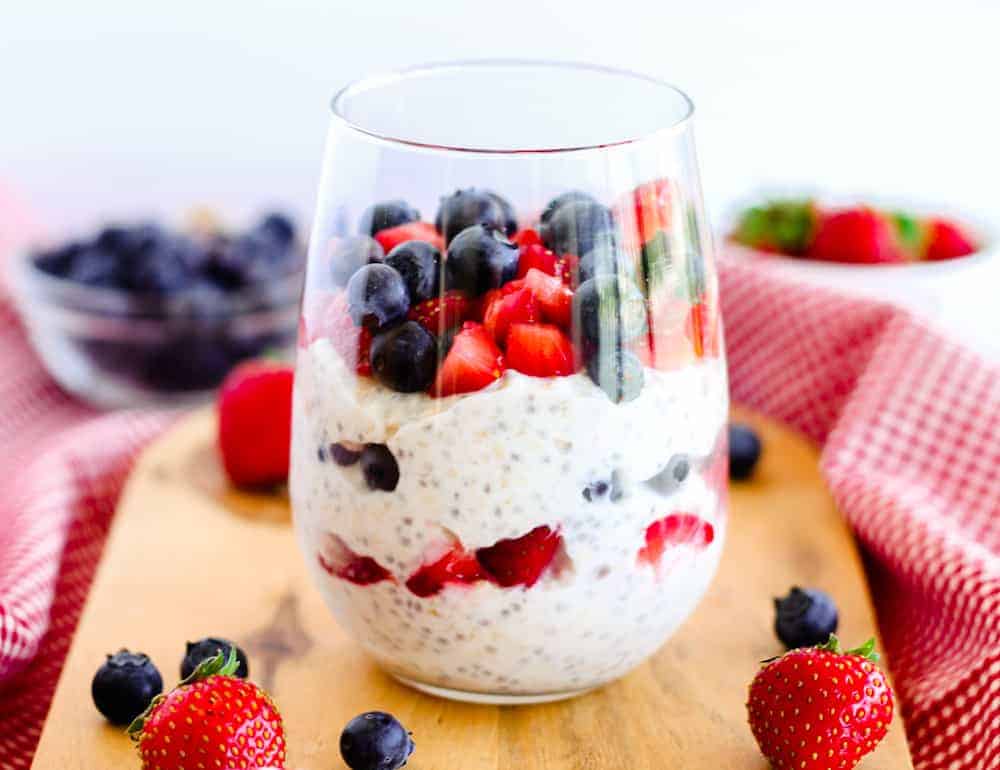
{"x":946,"y":240}
{"x":420,"y":265}
{"x":232,"y":722}
{"x":647,"y":210}
{"x":480,"y":258}
{"x":386,"y":215}
{"x":124,"y":686}
{"x":379,"y":467}
{"x":675,"y":530}
{"x":860,"y":235}
{"x":702,"y":328}
{"x":404,"y":358}
{"x":744,"y":451}
{"x":334,"y":323}
{"x":456,"y":566}
{"x":540,"y":350}
{"x":473,"y":362}
{"x":377,"y":297}
{"x":804,"y":618}
{"x":375,"y":741}
{"x":609,"y":311}
{"x":502,"y":310}
{"x":465,"y":208}
{"x":345,"y":455}
{"x":413,"y":231}
{"x":536,"y":256}
{"x":209,"y":647}
{"x":606,"y":258}
{"x":439,"y":314}
{"x":573,"y":196}
{"x":576,"y":227}
{"x":817,"y":708}
{"x":568,"y":270}
{"x":526,"y":237}
{"x":554,"y":299}
{"x":617,"y":372}
{"x":520,"y":561}
{"x":783,"y":227}
{"x":255,"y":423}
{"x":347,"y":255}
{"x":339,"y":561}
{"x":509,"y":217}
{"x":672,"y":476}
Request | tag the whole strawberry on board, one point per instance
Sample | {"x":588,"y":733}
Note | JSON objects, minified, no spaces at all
{"x":211,"y":720}
{"x":819,"y":708}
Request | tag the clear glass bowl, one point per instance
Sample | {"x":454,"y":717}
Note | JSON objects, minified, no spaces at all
{"x":118,"y":349}
{"x":509,"y":465}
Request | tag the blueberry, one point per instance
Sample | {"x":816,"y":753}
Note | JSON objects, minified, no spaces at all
{"x":804,"y":618}
{"x":420,"y":265}
{"x":672,"y":476}
{"x":605,"y":258}
{"x":100,"y":269}
{"x":576,"y":227}
{"x":611,"y":487}
{"x":375,"y":741}
{"x":572,"y":196}
{"x":617,"y":372}
{"x":744,"y":451}
{"x":379,"y":467}
{"x":377,"y":296}
{"x":608,"y":311}
{"x":166,"y":269}
{"x":278,"y":227}
{"x":480,"y":258}
{"x":124,"y":686}
{"x":465,"y":208}
{"x":386,"y":214}
{"x":344,"y":456}
{"x":58,"y":261}
{"x":209,"y":647}
{"x":405,"y":358}
{"x":509,"y":217}
{"x":348,"y":254}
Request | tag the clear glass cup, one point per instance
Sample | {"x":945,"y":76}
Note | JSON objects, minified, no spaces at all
{"x":509,"y":463}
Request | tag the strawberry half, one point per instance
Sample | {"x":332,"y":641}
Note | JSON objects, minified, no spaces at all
{"x":391,"y":237}
{"x":502,"y":310}
{"x":859,"y":235}
{"x":554,"y":299}
{"x":567,"y":269}
{"x":339,"y":561}
{"x":353,"y":343}
{"x":526,"y":237}
{"x":473,"y":362}
{"x":647,"y":210}
{"x":702,"y":328}
{"x":455,"y":566}
{"x":673,"y":530}
{"x":946,"y":240}
{"x":540,"y":350}
{"x":536,"y":256}
{"x":438,"y":314}
{"x":520,"y":561}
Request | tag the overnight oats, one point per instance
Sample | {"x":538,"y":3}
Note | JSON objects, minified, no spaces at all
{"x":508,"y":459}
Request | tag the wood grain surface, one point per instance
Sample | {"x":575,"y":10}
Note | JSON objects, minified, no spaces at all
{"x":188,"y":557}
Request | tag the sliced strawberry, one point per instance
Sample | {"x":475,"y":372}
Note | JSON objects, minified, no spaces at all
{"x":646,"y":210}
{"x":412,"y":231}
{"x":536,"y":256}
{"x":568,"y":268}
{"x":439,"y":314}
{"x":351,"y":342}
{"x":519,"y":306}
{"x":338,"y":560}
{"x":520,"y":561}
{"x":456,"y":566}
{"x":946,"y":240}
{"x":676,"y":529}
{"x":859,"y":235}
{"x":541,"y":350}
{"x":554,"y":299}
{"x":473,"y":362}
{"x":702,"y":328}
{"x":527,"y":237}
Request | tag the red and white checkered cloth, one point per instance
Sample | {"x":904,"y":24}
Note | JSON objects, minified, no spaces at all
{"x":910,"y":428}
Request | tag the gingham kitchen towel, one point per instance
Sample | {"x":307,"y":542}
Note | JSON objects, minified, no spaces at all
{"x":910,"y":428}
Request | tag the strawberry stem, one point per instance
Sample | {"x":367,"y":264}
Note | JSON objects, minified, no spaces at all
{"x":866,"y":650}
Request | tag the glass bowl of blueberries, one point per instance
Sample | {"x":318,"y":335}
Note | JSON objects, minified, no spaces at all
{"x":144,"y":315}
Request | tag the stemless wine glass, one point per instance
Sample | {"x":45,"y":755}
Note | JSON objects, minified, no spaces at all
{"x":509,"y":461}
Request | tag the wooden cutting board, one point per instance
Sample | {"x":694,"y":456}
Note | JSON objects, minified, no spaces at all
{"x":188,"y":557}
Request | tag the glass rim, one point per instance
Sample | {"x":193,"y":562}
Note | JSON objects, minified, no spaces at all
{"x":379,"y":80}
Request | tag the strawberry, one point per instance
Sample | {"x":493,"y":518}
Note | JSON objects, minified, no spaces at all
{"x":675,"y":529}
{"x":781,"y":227}
{"x":520,"y":561}
{"x":536,"y":256}
{"x":338,"y":560}
{"x":502,"y":310}
{"x":702,"y":328}
{"x":646,"y":210}
{"x":527,"y":237}
{"x":668,"y":344}
{"x":817,"y":708}
{"x":568,"y":268}
{"x":255,"y":423}
{"x":473,"y":362}
{"x":438,"y":314}
{"x":353,"y":343}
{"x":554,"y":299}
{"x":859,"y":235}
{"x":391,"y":237}
{"x":456,"y":566}
{"x":213,"y":720}
{"x":540,"y":350}
{"x":946,"y":240}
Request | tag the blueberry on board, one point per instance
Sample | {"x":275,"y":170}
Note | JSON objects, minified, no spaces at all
{"x":377,"y":297}
{"x":279,"y":227}
{"x":404,"y":358}
{"x":420,"y":265}
{"x":58,"y":261}
{"x":509,"y":217}
{"x":124,"y":685}
{"x":209,"y":647}
{"x":609,"y":310}
{"x":804,"y":618}
{"x":375,"y":741}
{"x":576,"y":227}
{"x":465,"y":208}
{"x":744,"y":451}
{"x":382,"y":216}
{"x":100,"y":269}
{"x":617,"y":372}
{"x":342,"y":455}
{"x":379,"y":467}
{"x":567,"y":197}
{"x":348,"y":254}
{"x":480,"y":258}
